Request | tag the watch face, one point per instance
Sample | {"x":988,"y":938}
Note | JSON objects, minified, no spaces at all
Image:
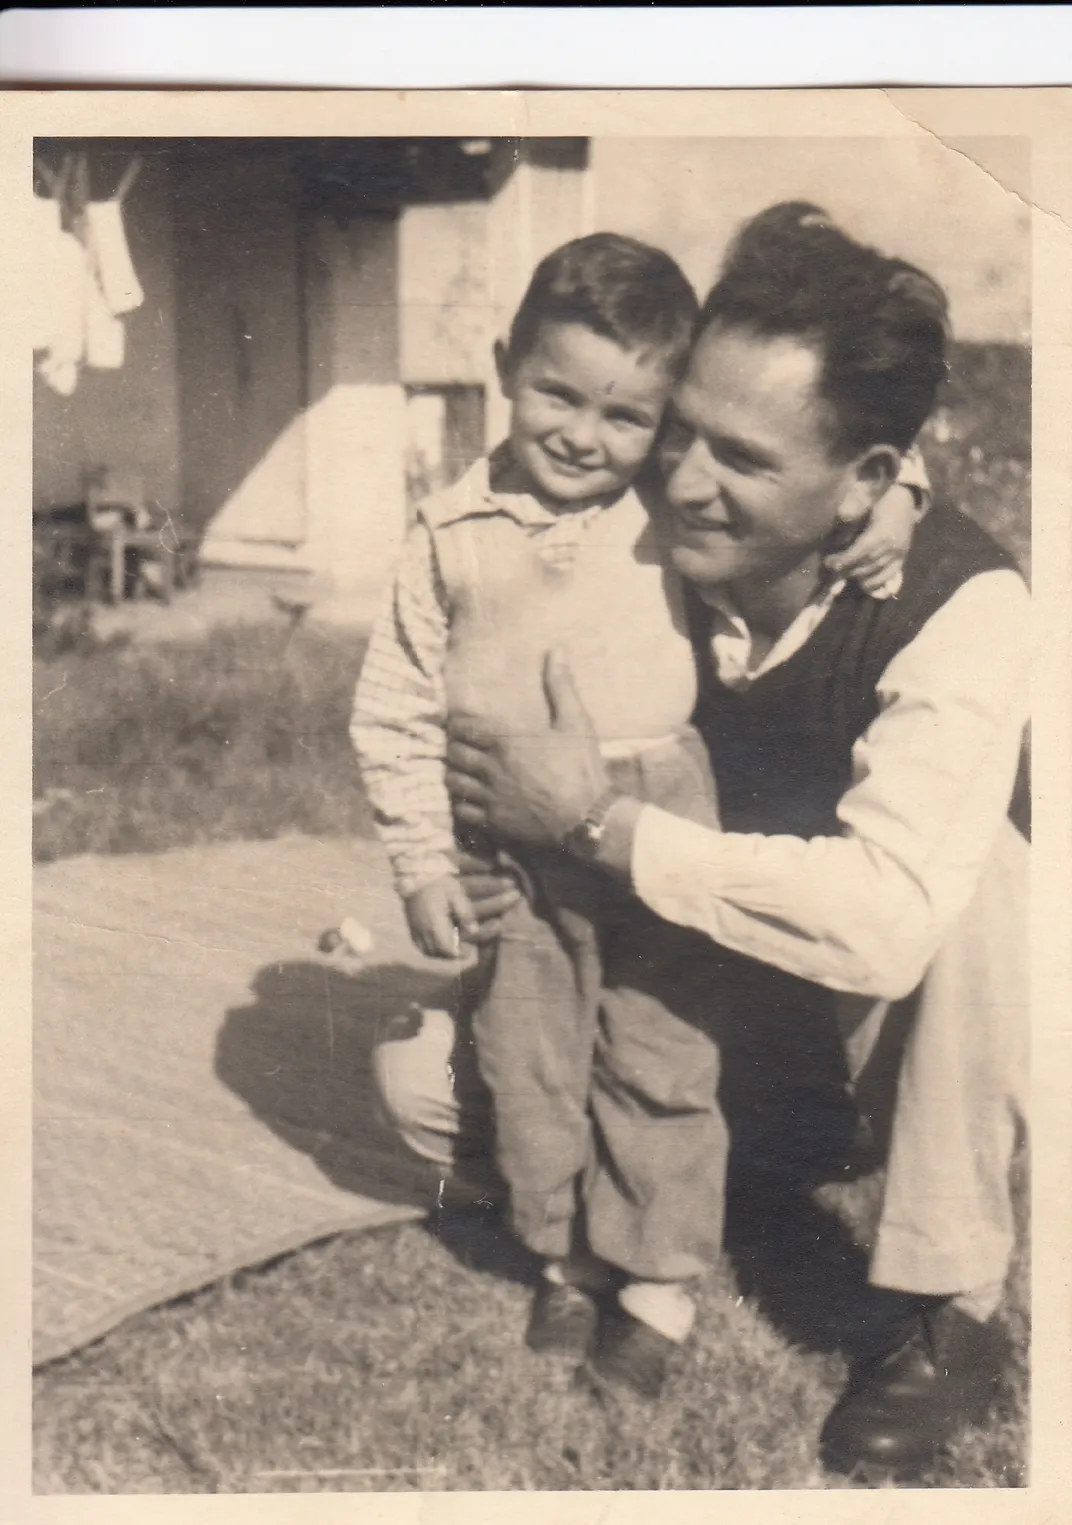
{"x":581,"y":841}
{"x":584,"y":838}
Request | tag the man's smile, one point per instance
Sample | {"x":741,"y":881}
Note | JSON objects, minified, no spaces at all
{"x":694,"y":524}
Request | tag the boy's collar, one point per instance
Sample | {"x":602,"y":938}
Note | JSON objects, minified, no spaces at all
{"x":505,"y":476}
{"x":496,"y":485}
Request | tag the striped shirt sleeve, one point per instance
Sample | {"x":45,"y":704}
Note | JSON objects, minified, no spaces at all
{"x":398,"y":726}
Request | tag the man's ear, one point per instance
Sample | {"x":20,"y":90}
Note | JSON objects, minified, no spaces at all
{"x":871,"y":476}
{"x":502,"y":368}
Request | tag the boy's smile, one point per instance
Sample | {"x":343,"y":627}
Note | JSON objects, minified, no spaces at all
{"x":585,"y":412}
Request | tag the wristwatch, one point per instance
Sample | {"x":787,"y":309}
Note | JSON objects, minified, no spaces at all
{"x":583,"y":839}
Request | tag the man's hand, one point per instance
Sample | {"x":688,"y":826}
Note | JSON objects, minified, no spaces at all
{"x":439,"y":916}
{"x":530,"y":789}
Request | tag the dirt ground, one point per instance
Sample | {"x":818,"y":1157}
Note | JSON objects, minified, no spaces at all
{"x":229,"y":598}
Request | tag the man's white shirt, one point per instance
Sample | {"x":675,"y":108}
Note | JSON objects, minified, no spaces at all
{"x":931,"y":780}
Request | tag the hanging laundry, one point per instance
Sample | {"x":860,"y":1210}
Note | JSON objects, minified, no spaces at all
{"x":105,"y":335}
{"x":84,"y":279}
{"x":58,"y":300}
{"x":43,"y":269}
{"x":107,"y":243}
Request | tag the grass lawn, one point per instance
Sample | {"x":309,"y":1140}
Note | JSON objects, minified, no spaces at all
{"x":243,"y":734}
{"x":393,"y":1360}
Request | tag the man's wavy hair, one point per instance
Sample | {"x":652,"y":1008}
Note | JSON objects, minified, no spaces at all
{"x":880,"y":326}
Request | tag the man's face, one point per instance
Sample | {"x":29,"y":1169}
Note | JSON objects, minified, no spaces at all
{"x":751,"y":488}
{"x":585,"y":412}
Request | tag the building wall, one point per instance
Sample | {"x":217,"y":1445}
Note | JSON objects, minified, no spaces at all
{"x":290,"y":397}
{"x":241,"y":361}
{"x":443,"y":294}
{"x":126,"y":419}
{"x":355,"y":441}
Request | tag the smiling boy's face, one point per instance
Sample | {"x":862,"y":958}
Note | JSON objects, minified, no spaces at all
{"x":585,"y":412}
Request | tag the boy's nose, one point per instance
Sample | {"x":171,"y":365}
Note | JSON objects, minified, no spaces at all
{"x":581,"y":433}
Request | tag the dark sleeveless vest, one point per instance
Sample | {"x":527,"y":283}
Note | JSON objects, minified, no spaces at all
{"x":781,"y":749}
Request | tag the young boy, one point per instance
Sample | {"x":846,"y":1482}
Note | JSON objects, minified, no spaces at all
{"x":548,"y":543}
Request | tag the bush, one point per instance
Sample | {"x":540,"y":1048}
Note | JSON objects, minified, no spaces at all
{"x":978,"y":443}
{"x":240,"y":734}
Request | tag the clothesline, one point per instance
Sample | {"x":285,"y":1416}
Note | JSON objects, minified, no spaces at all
{"x":57,"y":180}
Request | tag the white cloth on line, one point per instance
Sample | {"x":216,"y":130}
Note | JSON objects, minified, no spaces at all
{"x":45,"y":255}
{"x":58,"y":301}
{"x":105,"y":335}
{"x":107,"y":244}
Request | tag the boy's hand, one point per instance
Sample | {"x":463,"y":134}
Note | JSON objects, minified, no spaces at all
{"x":439,"y":916}
{"x":492,"y":892}
{"x":876,"y":556}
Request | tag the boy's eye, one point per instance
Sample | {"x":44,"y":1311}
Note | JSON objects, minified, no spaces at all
{"x":629,"y":420}
{"x":557,"y":394}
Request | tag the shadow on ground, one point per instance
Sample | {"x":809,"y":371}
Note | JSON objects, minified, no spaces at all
{"x":801,"y":1256}
{"x":300,"y":1057}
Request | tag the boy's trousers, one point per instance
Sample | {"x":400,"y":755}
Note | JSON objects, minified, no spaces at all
{"x":535,"y":1029}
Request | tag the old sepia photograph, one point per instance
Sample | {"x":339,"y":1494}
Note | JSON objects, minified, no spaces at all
{"x":531,"y":809}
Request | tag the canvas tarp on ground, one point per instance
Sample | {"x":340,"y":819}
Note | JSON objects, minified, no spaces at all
{"x":203,"y":1098}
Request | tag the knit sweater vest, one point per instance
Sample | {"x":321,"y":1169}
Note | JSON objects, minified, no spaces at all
{"x":781,"y":749}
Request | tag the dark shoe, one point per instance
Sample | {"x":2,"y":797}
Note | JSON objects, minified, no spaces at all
{"x":562,"y":1321}
{"x":629,"y":1355}
{"x":907,"y":1401}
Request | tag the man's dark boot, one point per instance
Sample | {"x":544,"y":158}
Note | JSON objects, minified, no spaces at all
{"x":939,"y":1371}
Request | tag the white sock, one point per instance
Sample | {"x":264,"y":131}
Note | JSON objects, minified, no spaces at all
{"x":554,"y":1271}
{"x":663,"y":1305}
{"x":981,"y":1303}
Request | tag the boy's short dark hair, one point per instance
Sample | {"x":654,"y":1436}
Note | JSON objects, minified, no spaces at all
{"x":620,"y":288}
{"x":880,"y":325}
